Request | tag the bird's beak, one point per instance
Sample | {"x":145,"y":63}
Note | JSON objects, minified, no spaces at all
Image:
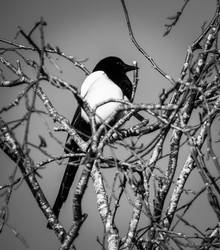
{"x":128,"y":68}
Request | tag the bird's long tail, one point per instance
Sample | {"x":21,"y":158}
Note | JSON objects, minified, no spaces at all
{"x":66,"y":183}
{"x":73,"y":163}
{"x":65,"y":186}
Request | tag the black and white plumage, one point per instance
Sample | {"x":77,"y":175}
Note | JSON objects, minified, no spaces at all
{"x":107,"y":81}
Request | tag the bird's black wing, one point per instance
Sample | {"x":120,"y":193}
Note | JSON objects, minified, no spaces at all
{"x":126,"y":86}
{"x":127,"y":91}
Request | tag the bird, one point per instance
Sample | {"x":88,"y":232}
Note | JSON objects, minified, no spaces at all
{"x":108,"y":80}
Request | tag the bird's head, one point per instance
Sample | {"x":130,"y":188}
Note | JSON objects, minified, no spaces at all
{"x":113,"y":67}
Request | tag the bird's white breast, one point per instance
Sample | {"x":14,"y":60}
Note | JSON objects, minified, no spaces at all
{"x":98,"y":88}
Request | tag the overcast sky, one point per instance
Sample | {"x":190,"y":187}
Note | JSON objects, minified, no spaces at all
{"x":94,"y":29}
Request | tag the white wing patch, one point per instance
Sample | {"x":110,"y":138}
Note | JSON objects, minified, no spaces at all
{"x":98,"y":88}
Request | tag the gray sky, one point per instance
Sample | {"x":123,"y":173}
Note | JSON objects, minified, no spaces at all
{"x":93,"y":30}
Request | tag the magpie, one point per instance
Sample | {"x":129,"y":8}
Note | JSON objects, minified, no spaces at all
{"x":107,"y":81}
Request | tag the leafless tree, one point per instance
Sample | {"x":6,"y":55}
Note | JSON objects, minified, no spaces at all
{"x":152,"y":177}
